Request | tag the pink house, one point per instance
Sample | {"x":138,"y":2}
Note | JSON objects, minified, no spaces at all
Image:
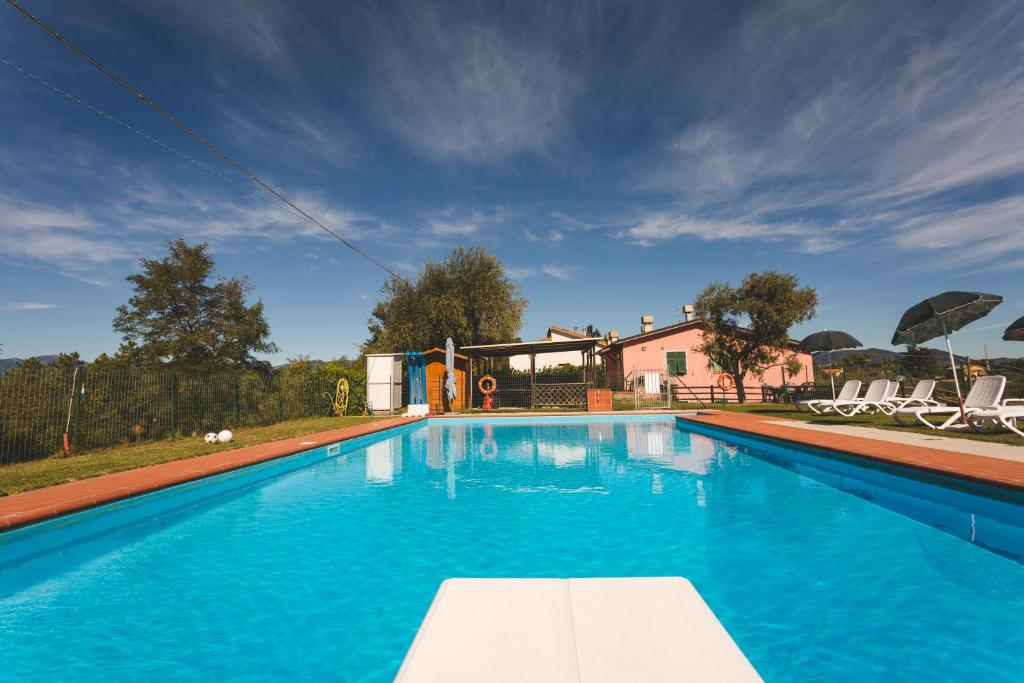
{"x":667,"y":358}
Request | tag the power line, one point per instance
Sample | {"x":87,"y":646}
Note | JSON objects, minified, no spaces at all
{"x":209,"y":146}
{"x":145,"y":136}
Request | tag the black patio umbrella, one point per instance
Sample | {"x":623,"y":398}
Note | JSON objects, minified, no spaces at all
{"x":942,"y":315}
{"x":828,"y":341}
{"x":1015,"y":332}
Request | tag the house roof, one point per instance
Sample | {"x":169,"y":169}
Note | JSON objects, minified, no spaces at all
{"x":668,"y":329}
{"x":441,"y":351}
{"x":575,"y":334}
{"x":661,"y":331}
{"x":526,"y":348}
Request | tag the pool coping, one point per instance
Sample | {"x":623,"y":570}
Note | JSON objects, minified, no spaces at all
{"x":992,"y":471}
{"x":29,"y":507}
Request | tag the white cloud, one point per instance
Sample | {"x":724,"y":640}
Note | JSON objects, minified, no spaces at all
{"x":131,"y":213}
{"x":26,"y":306}
{"x":453,"y":86}
{"x":524,"y":272}
{"x":660,"y":227}
{"x":550,"y":237}
{"x":881,"y":126}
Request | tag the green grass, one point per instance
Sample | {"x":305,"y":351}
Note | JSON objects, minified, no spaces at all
{"x":60,"y":469}
{"x":876,"y":421}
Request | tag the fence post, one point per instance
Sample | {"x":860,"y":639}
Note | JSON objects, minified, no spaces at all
{"x":234,"y":397}
{"x":174,"y":404}
{"x":712,"y":387}
{"x":77,"y":388}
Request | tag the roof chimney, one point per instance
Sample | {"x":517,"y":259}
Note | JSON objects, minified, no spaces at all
{"x":688,"y":312}
{"x":613,"y":336}
{"x":646,"y":323}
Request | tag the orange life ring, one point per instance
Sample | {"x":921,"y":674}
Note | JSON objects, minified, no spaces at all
{"x":487,"y":378}
{"x":726,"y":381}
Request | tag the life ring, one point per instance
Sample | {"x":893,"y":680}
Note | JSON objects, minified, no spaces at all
{"x":726,"y":381}
{"x":488,"y":449}
{"x":487,"y":378}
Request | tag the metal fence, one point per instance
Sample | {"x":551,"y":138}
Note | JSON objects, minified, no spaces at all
{"x":555,"y":388}
{"x":98,"y":407}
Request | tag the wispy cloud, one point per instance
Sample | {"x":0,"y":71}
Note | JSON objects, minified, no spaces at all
{"x":549,"y":237}
{"x":454,"y":86}
{"x":460,"y":222}
{"x":868,"y":119}
{"x":26,"y":306}
{"x":130,"y":213}
{"x":524,"y":272}
{"x":659,"y":227}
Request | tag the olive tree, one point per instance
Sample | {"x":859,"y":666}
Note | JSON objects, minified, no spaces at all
{"x":467,"y":296}
{"x":747,"y":327}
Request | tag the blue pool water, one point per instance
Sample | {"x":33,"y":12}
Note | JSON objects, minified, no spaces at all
{"x":320,"y":566}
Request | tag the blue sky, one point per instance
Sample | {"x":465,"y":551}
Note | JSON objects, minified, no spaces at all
{"x":616,"y":156}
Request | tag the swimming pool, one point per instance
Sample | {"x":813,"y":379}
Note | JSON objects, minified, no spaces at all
{"x":321,"y":565}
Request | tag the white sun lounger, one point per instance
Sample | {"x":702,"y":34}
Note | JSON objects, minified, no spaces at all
{"x":1005,"y":415}
{"x":986,"y":394}
{"x":849,"y":392}
{"x":921,"y":396}
{"x":874,"y":399}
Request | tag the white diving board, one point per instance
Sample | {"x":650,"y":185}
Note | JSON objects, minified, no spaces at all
{"x":572,"y":630}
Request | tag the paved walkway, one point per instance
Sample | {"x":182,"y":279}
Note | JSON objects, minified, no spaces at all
{"x":34,"y":506}
{"x":986,"y":449}
{"x":996,"y":464}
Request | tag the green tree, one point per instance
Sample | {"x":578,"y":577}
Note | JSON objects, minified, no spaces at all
{"x":182,"y":314}
{"x":591,"y":330}
{"x":770,"y":303}
{"x":793,"y":366}
{"x":467,"y":297}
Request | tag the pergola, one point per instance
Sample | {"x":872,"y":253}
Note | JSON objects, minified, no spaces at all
{"x":586,"y":346}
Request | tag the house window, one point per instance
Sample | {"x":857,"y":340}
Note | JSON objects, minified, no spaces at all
{"x":676,"y":361}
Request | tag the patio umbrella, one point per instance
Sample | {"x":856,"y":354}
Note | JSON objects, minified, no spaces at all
{"x":828,"y":341}
{"x":1015,"y":332}
{"x":450,"y":389}
{"x":944,"y":314}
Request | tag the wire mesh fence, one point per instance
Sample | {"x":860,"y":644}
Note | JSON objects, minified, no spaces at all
{"x":559,"y":387}
{"x":44,"y":410}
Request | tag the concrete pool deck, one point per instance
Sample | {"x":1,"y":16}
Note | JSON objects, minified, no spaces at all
{"x":572,"y":630}
{"x":989,"y":463}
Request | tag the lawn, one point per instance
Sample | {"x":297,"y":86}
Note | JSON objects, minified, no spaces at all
{"x":876,"y":421}
{"x":60,"y":469}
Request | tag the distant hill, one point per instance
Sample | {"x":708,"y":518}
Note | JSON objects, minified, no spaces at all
{"x":8,"y":363}
{"x":879,"y":355}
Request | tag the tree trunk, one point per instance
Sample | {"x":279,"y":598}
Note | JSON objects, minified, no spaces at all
{"x":738,"y":375}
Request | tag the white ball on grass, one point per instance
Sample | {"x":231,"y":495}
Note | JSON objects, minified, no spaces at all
{"x":225,"y":436}
{"x":211,"y":437}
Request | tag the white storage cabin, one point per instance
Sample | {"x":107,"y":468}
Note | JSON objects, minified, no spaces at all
{"x":383,"y":382}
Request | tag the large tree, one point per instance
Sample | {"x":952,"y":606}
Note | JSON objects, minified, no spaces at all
{"x":182,"y":314}
{"x":466,"y":296}
{"x":748,"y":326}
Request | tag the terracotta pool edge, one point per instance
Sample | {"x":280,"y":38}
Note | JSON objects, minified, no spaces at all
{"x":37,"y":505}
{"x":990,"y":471}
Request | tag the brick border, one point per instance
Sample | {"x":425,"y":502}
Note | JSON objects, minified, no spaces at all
{"x":29,"y":507}
{"x":977,"y":468}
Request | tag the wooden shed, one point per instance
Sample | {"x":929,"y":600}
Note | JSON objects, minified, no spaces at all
{"x":435,"y":381}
